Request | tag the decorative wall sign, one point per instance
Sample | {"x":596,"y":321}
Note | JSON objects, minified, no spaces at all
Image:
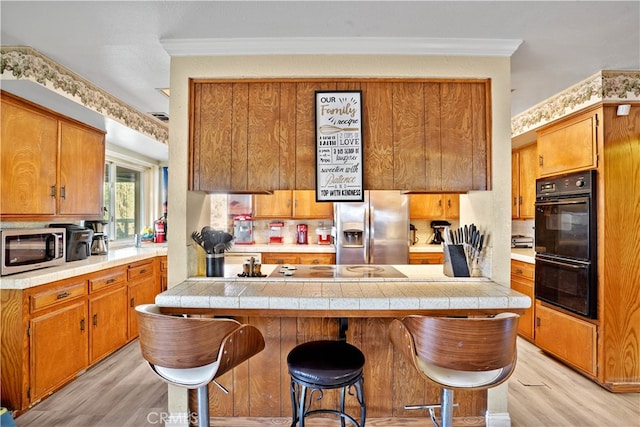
{"x":339,"y":169}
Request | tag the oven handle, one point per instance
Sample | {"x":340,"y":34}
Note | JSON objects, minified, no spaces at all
{"x":563,"y":202}
{"x":564,"y":264}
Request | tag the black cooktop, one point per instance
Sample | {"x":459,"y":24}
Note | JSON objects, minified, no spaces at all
{"x":337,"y":271}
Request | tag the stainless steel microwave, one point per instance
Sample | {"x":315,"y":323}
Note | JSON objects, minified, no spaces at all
{"x":31,"y":249}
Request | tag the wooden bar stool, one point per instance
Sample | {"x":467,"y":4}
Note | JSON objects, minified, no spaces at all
{"x":322,"y":365}
{"x":471,"y":353}
{"x":191,"y":352}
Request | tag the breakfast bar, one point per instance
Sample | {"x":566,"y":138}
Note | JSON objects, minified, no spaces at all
{"x":296,"y":304}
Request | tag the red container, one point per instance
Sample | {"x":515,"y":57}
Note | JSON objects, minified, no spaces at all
{"x":158,"y":226}
{"x":302,"y":234}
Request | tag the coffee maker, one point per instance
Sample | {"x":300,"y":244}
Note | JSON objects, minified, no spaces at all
{"x":438,"y":228}
{"x":100,"y":241}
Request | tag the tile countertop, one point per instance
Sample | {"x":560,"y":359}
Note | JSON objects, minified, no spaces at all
{"x":114,"y":258}
{"x":283,"y":247}
{"x":424,"y":288}
{"x":525,"y":255}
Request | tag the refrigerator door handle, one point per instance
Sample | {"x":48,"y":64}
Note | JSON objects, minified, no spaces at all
{"x":365,"y":236}
{"x":372,"y":234}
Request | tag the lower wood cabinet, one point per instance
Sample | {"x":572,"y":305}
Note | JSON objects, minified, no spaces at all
{"x":522,"y":280}
{"x":52,"y":332}
{"x":297,"y":258}
{"x":569,"y":338}
{"x":426,"y":258}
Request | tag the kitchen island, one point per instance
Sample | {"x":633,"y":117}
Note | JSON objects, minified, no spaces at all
{"x":290,"y":310}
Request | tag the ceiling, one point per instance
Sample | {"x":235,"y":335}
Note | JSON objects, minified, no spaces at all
{"x":119,"y":46}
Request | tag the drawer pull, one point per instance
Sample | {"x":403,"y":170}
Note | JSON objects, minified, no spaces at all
{"x":82,"y":325}
{"x":519,"y":271}
{"x":144,"y":270}
{"x":132,"y":302}
{"x":95,"y":319}
{"x":63,"y":295}
{"x":111,"y":281}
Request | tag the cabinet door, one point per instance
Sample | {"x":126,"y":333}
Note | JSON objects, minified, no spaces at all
{"x":263,"y":165}
{"x":276,"y":205}
{"x":409,"y":167}
{"x":142,"y":291}
{"x":81,"y":171}
{"x":280,"y":258}
{"x":451,"y":203}
{"x":305,"y":206}
{"x":569,"y":338}
{"x":515,"y":184}
{"x":28,"y":153}
{"x":570,"y":145}
{"x":59,"y":348}
{"x":522,"y":280}
{"x":426,"y":206}
{"x":528,"y":171}
{"x":108,"y":318}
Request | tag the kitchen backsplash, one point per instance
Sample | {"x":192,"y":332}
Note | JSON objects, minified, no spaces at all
{"x":523,"y":228}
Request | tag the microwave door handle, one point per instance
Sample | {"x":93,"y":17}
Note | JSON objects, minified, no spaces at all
{"x":56,"y":246}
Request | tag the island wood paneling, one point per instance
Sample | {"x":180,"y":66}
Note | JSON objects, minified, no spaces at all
{"x":260,"y":388}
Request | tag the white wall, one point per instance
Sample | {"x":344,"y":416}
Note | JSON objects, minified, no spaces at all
{"x":489,"y":210}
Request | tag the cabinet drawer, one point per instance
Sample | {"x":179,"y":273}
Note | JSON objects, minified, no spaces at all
{"x":59,"y":295}
{"x":424,"y":258}
{"x":317,"y":259}
{"x":280,"y":258}
{"x":107,"y":278}
{"x":139,"y":270}
{"x":523,"y":269}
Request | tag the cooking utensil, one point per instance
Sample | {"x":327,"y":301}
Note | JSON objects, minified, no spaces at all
{"x":197,"y":237}
{"x":330,"y":129}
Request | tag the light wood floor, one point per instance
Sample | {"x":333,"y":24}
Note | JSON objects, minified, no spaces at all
{"x":122,"y":391}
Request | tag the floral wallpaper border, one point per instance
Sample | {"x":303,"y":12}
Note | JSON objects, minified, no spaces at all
{"x":604,"y":86}
{"x":27,"y":63}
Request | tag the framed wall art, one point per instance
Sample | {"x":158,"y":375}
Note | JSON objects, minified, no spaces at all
{"x":339,"y":146}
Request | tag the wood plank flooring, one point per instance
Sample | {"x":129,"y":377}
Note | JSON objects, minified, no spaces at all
{"x":122,"y":391}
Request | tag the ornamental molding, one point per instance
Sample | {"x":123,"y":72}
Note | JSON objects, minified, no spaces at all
{"x":26,"y":63}
{"x":604,"y":86}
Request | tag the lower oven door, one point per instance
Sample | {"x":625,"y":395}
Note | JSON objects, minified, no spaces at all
{"x":569,"y":284}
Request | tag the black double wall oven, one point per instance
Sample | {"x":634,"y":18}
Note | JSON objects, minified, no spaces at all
{"x":565,"y":242}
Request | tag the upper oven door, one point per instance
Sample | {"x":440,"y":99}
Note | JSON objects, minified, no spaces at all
{"x":563,"y":227}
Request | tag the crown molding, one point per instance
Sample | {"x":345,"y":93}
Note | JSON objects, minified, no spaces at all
{"x":340,"y":46}
{"x":21,"y":62}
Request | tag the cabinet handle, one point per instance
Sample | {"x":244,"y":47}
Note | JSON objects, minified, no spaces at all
{"x":63,"y":295}
{"x":519,"y":271}
{"x":82,"y":324}
{"x":132,"y":303}
{"x":111,"y":281}
{"x":280,"y":261}
{"x":515,"y":201}
{"x":520,"y":199}
{"x":315,"y":261}
{"x":144,"y":270}
{"x":95,"y":319}
{"x":440,"y":203}
{"x":63,"y":192}
{"x":540,"y":160}
{"x":52,"y":193}
{"x":537,"y":322}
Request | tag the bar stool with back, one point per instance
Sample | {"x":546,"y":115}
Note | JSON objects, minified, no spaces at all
{"x":457,"y":353}
{"x":192,"y":352}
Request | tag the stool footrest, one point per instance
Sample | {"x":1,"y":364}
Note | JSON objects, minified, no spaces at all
{"x":432,"y":406}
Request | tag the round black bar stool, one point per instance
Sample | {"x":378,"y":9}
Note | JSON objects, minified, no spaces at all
{"x":323,"y":365}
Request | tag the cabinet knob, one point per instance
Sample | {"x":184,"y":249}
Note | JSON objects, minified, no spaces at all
{"x":63,"y":192}
{"x":82,"y":324}
{"x":540,"y":160}
{"x":95,"y":319}
{"x":52,"y":191}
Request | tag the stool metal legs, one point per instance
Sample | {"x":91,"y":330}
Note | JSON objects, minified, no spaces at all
{"x":203,"y":406}
{"x":301,"y":403}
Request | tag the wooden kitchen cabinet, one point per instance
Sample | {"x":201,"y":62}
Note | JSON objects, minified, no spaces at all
{"x":569,"y":145}
{"x":524,"y":171}
{"x":107,"y":312}
{"x":569,"y":338}
{"x":522,"y":280}
{"x":164,"y":267}
{"x":426,"y":258}
{"x":143,"y":288}
{"x":298,"y":258}
{"x":291,"y":204}
{"x":42,"y":178}
{"x":259,"y":135}
{"x":434,"y":206}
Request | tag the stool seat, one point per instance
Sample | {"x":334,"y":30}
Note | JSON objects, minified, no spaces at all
{"x":324,"y":363}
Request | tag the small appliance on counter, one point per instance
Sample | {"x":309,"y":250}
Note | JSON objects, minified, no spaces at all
{"x":243,"y":230}
{"x":100,"y":241}
{"x":79,"y":241}
{"x":520,"y":241}
{"x":302,"y":235}
{"x":27,"y":249}
{"x":438,"y":228}
{"x":412,"y":235}
{"x":324,"y":235}
{"x":275,"y":232}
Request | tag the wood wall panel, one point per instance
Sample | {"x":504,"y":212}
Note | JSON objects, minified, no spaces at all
{"x":287,"y":132}
{"x":263,"y":167}
{"x":456,"y":134}
{"x":408,"y":136}
{"x":481,"y":124}
{"x":433,"y":143}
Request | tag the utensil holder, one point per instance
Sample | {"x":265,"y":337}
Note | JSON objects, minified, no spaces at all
{"x":455,"y":261}
{"x":215,"y":265}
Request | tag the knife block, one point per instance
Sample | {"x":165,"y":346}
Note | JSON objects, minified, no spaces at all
{"x":455,"y":261}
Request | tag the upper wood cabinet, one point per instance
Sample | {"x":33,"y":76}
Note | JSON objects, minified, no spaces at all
{"x":434,"y":206}
{"x":569,"y":145}
{"x":52,"y":167}
{"x":291,"y":204}
{"x":253,"y":136}
{"x":524,"y":171}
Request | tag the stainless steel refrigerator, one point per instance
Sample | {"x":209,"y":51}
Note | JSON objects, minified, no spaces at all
{"x":375,"y":231}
